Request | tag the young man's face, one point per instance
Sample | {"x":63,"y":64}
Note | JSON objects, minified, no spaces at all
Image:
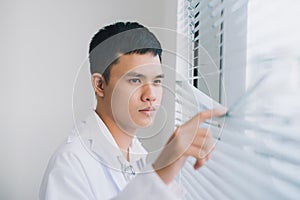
{"x":133,"y":93}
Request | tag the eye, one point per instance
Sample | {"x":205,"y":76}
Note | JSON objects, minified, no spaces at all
{"x":134,"y":80}
{"x":157,"y":82}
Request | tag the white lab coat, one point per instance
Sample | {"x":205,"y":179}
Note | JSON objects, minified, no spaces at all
{"x":88,"y":166}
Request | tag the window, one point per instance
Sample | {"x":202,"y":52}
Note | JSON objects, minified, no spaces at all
{"x":231,"y":59}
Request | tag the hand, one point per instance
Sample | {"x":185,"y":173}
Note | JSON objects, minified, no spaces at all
{"x":188,"y":140}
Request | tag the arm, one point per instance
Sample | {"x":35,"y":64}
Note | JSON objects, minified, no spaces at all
{"x":67,"y":179}
{"x":150,"y":186}
{"x":187,"y":140}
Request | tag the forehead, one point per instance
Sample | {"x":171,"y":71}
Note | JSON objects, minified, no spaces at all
{"x":147,"y":64}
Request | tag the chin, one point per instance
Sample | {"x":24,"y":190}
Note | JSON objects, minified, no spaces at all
{"x":145,"y":123}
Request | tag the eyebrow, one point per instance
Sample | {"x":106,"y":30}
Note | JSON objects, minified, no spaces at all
{"x":135,"y":74}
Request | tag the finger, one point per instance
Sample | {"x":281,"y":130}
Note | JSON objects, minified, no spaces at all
{"x":203,"y":159}
{"x":203,"y":132}
{"x":208,"y":156}
{"x":203,"y":139}
{"x":206,"y":149}
{"x":199,"y":154}
{"x":210,"y":114}
{"x":201,"y":162}
{"x":194,"y":152}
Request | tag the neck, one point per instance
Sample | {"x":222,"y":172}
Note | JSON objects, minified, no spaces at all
{"x":122,"y":138}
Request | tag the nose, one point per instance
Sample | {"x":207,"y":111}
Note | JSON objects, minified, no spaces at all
{"x":148,"y":93}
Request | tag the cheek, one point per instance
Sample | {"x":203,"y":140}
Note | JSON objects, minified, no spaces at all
{"x":134,"y":98}
{"x":123,"y":97}
{"x":159,"y":93}
{"x":117,"y":98}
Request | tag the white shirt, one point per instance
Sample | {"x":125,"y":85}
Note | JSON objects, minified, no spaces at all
{"x":90,"y":166}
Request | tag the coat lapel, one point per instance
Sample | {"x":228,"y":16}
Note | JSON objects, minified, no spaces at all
{"x":97,"y":138}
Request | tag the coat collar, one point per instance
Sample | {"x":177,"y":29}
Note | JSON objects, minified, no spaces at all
{"x":97,"y":138}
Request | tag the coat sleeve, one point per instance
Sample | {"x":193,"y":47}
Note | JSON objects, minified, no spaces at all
{"x":66,"y":179}
{"x":149,"y":185}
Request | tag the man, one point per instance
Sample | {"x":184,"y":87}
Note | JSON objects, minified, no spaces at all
{"x":103,"y":159}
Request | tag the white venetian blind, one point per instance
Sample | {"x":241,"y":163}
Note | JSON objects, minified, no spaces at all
{"x":258,"y":154}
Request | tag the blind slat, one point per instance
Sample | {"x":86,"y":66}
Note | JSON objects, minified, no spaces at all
{"x":207,"y":185}
{"x":258,"y":165}
{"x":193,"y":181}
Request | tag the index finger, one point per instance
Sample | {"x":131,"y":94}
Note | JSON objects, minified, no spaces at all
{"x":208,"y":114}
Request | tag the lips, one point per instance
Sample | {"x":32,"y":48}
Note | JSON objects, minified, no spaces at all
{"x":147,"y":109}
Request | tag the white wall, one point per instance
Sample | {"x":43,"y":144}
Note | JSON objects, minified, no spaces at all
{"x":43,"y":43}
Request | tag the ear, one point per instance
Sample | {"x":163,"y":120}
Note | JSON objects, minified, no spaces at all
{"x":98,"y":82}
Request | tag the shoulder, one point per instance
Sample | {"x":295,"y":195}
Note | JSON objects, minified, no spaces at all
{"x":71,"y":153}
{"x":70,"y":164}
{"x":73,"y":170}
{"x":76,"y":151}
{"x":65,"y":176}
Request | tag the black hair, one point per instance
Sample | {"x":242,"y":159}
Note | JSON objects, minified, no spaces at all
{"x":117,"y":39}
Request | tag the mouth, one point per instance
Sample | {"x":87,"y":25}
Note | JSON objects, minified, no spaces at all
{"x":147,"y":110}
